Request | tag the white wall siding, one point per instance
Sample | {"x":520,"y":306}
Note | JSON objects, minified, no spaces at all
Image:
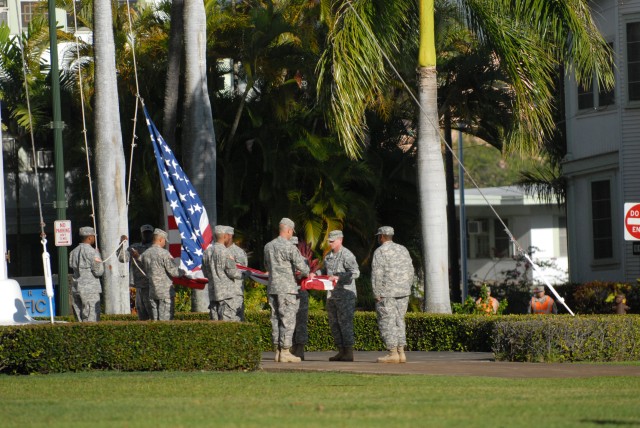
{"x":595,"y":134}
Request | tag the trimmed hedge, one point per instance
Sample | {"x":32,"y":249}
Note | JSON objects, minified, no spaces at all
{"x":425,"y":332}
{"x":129,"y":346}
{"x":511,"y":337}
{"x":565,"y":338}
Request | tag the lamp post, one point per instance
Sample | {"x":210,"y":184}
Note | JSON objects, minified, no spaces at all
{"x":463,"y":217}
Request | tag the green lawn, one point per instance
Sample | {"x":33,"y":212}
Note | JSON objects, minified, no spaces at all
{"x":174,"y":399}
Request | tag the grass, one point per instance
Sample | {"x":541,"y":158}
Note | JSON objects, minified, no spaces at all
{"x":260,"y":399}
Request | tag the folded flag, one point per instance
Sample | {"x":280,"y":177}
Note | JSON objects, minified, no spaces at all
{"x":255,"y":274}
{"x":319,"y":282}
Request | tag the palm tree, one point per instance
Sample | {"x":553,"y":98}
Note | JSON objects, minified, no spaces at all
{"x":199,"y":140}
{"x":109,"y":160}
{"x":174,"y":60}
{"x":529,"y":39}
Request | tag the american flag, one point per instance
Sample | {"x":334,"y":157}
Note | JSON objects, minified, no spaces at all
{"x":187,"y":222}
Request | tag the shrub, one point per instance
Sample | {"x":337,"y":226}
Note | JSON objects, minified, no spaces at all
{"x":597,"y":297}
{"x":129,"y":346}
{"x":565,"y":338}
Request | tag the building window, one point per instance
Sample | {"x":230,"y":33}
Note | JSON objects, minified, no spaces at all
{"x":4,"y":10}
{"x":501,"y":242}
{"x":29,"y":9}
{"x":488,"y":239}
{"x":585,"y":97}
{"x":633,"y":60}
{"x":593,"y":96}
{"x":479,"y":245}
{"x":562,"y":235}
{"x":601,"y":219}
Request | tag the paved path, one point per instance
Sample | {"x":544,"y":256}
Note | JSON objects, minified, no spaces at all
{"x":448,"y":363}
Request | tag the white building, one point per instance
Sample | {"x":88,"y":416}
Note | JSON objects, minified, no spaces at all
{"x":603,"y":154}
{"x":535,"y":224}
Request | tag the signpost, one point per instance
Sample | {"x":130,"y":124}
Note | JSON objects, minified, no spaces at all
{"x":632,"y":221}
{"x":62,"y":232}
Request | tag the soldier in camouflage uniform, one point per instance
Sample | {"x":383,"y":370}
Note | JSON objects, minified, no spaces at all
{"x":300,"y":334}
{"x":341,"y":266}
{"x":240,"y":257}
{"x":160,"y":269}
{"x":87,"y":269}
{"x":219,"y":267}
{"x":137,"y":277}
{"x":391,"y":278}
{"x":282,"y":260}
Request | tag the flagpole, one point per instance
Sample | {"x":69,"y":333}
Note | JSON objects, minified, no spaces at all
{"x":60,"y":203}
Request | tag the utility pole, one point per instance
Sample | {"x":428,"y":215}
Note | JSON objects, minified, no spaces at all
{"x":463,"y":216}
{"x":60,"y":202}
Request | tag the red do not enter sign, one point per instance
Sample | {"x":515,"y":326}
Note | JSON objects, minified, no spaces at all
{"x":632,"y":221}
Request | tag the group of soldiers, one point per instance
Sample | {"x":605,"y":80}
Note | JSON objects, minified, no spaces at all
{"x":392,"y":277}
{"x":153,"y":270}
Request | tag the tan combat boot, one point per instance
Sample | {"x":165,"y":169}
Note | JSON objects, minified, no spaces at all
{"x":391,"y":357}
{"x":288,"y":357}
{"x":401,"y":355}
{"x":338,"y":356}
{"x":276,"y":350}
{"x":298,"y":351}
{"x":348,"y":354}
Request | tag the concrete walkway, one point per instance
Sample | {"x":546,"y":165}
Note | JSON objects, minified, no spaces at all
{"x":449,"y":364}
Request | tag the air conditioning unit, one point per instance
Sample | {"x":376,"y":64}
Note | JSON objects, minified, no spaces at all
{"x":474,"y":227}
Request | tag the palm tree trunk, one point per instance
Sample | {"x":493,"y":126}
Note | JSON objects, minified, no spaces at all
{"x":110,"y":163}
{"x":431,"y":178}
{"x":432,"y":197}
{"x":172,"y":87}
{"x":199,"y":142}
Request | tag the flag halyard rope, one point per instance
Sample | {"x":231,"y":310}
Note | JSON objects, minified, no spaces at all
{"x":84,"y":121}
{"x":132,"y":40}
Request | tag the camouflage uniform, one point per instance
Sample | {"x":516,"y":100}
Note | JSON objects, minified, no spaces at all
{"x":159,"y":266}
{"x":219,"y":267}
{"x":282,"y":260}
{"x":301,"y":332}
{"x":341,"y":301}
{"x":86,"y":287}
{"x":391,"y":278}
{"x":240,"y":257}
{"x":138,"y":279}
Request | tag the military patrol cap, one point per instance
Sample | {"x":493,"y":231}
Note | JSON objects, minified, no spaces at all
{"x":294,"y":240}
{"x":335,"y":234}
{"x":228,"y":229}
{"x":288,"y":222}
{"x":219,"y":229}
{"x":87,"y":231}
{"x":385,"y":230}
{"x":160,"y":232}
{"x":146,"y":228}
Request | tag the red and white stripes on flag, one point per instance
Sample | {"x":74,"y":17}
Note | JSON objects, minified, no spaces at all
{"x":255,"y":274}
{"x":319,"y":282}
